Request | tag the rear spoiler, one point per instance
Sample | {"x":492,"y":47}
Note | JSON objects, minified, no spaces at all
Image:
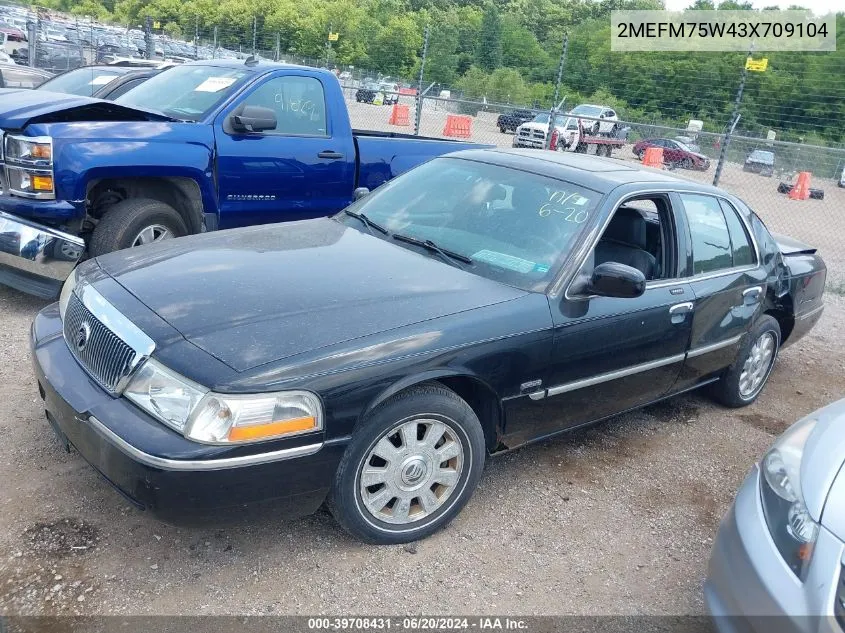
{"x":789,"y":246}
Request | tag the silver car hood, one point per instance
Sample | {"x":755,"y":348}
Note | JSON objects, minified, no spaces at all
{"x":822,"y":464}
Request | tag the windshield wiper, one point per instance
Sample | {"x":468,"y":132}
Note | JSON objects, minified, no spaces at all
{"x":367,"y":222}
{"x":431,"y":246}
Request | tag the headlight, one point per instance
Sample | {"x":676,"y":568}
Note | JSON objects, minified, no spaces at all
{"x":164,"y":394}
{"x":792,"y":528}
{"x":213,"y":418}
{"x":29,"y":149}
{"x":228,"y":419}
{"x":67,"y":290}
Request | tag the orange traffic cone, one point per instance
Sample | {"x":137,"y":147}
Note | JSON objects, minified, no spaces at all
{"x":653,"y":157}
{"x":400,"y":115}
{"x":801,"y":190}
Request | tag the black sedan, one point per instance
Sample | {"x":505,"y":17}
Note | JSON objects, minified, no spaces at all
{"x":374,"y":359}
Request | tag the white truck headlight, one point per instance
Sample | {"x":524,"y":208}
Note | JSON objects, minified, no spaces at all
{"x":29,"y":166}
{"x":37,"y":149}
{"x":213,"y":418}
{"x":792,"y":528}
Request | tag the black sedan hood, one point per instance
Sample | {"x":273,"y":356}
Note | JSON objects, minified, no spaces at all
{"x":256,"y":295}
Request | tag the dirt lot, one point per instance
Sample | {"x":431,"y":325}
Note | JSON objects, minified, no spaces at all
{"x":617,"y":519}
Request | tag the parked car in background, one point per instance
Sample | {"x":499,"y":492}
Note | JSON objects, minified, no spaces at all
{"x":509,"y":121}
{"x":690,"y":142}
{"x":761,"y":162}
{"x":534,"y":294}
{"x":102,"y":82}
{"x":390,"y":91}
{"x":12,"y":33}
{"x":53,"y":56}
{"x":778,"y":553}
{"x":607,"y":123}
{"x":675,"y":153}
{"x":245,"y":119}
{"x":532,"y":134}
{"x":367,"y":92}
{"x":5,"y":58}
{"x":15,"y":76}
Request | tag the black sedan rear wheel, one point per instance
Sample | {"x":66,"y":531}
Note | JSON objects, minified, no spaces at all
{"x":410,"y":468}
{"x":744,"y":380}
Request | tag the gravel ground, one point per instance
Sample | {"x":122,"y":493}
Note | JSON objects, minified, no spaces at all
{"x":618,"y":519}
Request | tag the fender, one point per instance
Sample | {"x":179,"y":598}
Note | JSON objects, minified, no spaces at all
{"x":493,"y":429}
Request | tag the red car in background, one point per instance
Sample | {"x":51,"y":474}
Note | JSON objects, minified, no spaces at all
{"x":675,"y":153}
{"x":12,"y":34}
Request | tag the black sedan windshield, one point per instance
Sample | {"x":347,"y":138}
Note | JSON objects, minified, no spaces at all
{"x":187,"y":92}
{"x":513,"y":226}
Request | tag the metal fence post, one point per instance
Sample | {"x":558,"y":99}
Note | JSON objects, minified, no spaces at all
{"x":32,"y":36}
{"x":553,"y":111}
{"x":148,"y":37}
{"x":420,"y":85}
{"x":723,"y":153}
{"x":214,"y":49}
{"x":254,"y":33}
{"x":278,"y":47}
{"x":197,"y":37}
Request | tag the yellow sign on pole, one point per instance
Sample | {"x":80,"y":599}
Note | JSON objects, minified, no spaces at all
{"x":333,"y":37}
{"x":156,"y":25}
{"x":757,"y":65}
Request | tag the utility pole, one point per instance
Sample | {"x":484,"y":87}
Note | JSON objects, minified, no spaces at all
{"x":420,"y":85}
{"x":328,"y":44}
{"x":723,"y":153}
{"x":148,"y":36}
{"x":553,"y":111}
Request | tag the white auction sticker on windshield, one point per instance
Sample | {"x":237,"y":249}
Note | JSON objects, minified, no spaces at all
{"x":102,"y":80}
{"x":503,"y":260}
{"x":215,"y":84}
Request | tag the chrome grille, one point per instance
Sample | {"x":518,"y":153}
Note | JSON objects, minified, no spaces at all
{"x":99,"y":350}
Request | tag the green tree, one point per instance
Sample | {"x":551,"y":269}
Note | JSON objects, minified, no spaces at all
{"x":489,"y":55}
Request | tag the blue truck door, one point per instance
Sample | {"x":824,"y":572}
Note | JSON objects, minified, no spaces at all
{"x":302,"y":169}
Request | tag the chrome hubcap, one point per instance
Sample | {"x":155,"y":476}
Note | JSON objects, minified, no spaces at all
{"x":411,"y":471}
{"x":152,"y":233}
{"x":757,"y":365}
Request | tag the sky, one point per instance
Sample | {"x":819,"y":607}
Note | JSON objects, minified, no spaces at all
{"x":816,"y":6}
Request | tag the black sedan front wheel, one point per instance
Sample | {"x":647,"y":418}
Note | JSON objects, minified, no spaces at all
{"x":744,"y":380}
{"x":410,"y":468}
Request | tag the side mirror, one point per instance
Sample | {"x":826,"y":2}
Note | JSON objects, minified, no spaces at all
{"x":359,"y":193}
{"x":253,"y":119}
{"x":613,"y":279}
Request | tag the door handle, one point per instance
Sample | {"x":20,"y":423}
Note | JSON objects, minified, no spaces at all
{"x":678,"y":312}
{"x":750,"y":296}
{"x":330,"y":154}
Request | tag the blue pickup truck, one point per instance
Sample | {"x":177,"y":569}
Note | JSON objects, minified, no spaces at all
{"x":202,"y":146}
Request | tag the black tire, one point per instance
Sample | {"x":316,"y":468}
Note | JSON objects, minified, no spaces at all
{"x":727,"y":390}
{"x":124,"y":221}
{"x":503,"y":129}
{"x":425,"y":402}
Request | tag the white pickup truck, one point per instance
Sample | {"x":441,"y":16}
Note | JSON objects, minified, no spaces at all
{"x":603,"y":121}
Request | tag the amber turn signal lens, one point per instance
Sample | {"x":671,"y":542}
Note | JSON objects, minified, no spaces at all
{"x":273,"y":429}
{"x":42,"y":183}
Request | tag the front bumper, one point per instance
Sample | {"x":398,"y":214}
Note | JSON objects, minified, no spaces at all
{"x":36,"y":259}
{"x":748,"y":581}
{"x":158,"y":469}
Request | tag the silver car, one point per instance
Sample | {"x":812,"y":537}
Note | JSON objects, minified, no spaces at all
{"x":781,"y":547}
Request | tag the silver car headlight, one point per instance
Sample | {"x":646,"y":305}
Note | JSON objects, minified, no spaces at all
{"x":793,"y":530}
{"x":67,"y":290}
{"x":213,"y":418}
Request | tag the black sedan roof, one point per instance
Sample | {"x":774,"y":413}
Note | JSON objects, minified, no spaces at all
{"x":596,"y":173}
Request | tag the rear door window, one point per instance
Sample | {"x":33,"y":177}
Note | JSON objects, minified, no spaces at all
{"x":711,"y":241}
{"x":743,"y":251}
